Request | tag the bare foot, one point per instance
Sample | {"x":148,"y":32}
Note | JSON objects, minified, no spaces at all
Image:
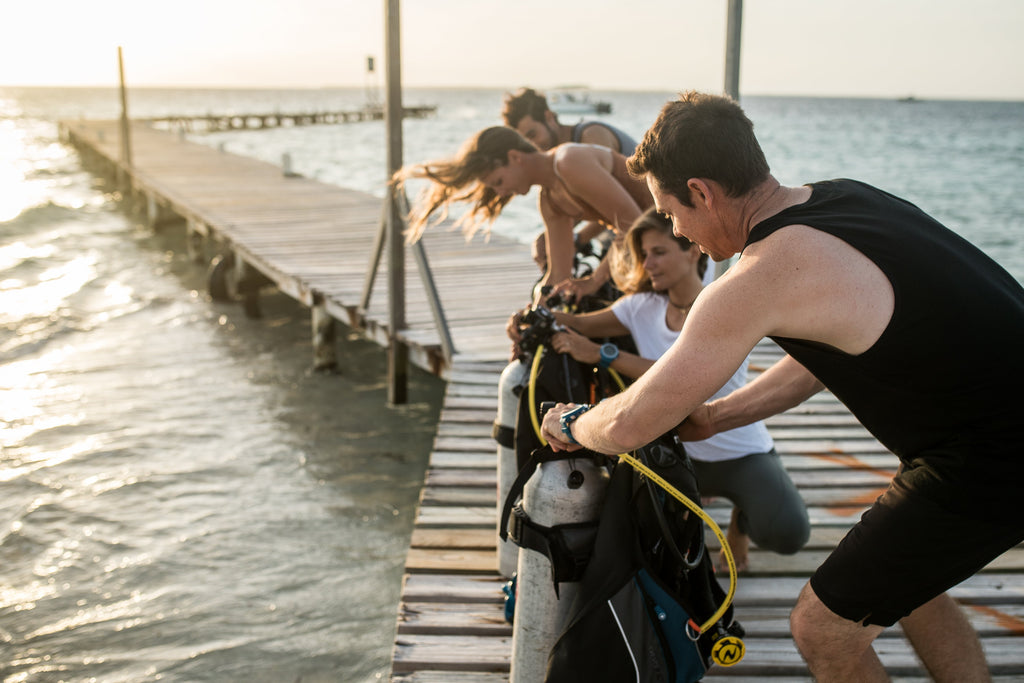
{"x":739,"y":544}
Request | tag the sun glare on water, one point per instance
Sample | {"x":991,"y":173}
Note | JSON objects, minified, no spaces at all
{"x":16,"y":193}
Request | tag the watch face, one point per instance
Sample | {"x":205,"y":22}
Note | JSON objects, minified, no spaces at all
{"x":573,"y":413}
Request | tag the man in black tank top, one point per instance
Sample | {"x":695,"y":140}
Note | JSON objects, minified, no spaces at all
{"x":917,"y":331}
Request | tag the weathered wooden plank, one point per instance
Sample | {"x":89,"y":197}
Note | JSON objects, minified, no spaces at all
{"x":758,"y":622}
{"x":466,"y":653}
{"x":450,"y":560}
{"x":439,"y":618}
{"x":990,"y":589}
{"x":771,"y":656}
{"x":440,"y":676}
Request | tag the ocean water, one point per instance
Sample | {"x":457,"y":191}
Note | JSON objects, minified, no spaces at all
{"x":180,"y":498}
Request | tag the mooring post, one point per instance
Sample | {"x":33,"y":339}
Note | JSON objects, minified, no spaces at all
{"x":195,"y":242}
{"x":325,"y":357}
{"x":398,"y":353}
{"x":126,"y":140}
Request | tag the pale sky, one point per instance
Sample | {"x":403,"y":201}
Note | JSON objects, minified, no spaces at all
{"x":926,"y":48}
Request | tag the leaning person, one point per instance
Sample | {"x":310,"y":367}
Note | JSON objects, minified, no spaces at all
{"x":577,"y":183}
{"x":528,"y":112}
{"x":660,"y":284}
{"x":913,"y":328}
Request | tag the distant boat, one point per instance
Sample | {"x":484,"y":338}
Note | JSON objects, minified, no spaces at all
{"x":908,"y":99}
{"x":575,"y":100}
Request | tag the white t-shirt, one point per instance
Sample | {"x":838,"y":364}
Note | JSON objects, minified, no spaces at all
{"x":644,"y":315}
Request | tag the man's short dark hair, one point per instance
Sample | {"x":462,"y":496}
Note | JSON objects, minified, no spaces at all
{"x":701,"y":136}
{"x":524,"y":102}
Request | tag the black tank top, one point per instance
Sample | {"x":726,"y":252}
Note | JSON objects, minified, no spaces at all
{"x":943,"y":380}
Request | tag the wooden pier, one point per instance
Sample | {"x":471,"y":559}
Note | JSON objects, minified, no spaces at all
{"x":451,"y":623}
{"x":209,"y":123}
{"x":315,"y":242}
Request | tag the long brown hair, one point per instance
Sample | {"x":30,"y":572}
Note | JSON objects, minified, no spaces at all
{"x":628,"y":272}
{"x":458,"y":180}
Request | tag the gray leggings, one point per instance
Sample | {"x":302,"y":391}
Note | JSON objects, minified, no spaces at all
{"x":772,"y":512}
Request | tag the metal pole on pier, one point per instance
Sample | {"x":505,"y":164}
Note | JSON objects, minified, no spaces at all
{"x":732,"y":75}
{"x":126,"y":140}
{"x":732,"y":49}
{"x":398,"y":353}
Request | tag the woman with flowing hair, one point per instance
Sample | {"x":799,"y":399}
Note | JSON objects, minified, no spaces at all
{"x":577,"y":183}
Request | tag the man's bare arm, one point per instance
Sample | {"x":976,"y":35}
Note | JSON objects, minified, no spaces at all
{"x":783,"y":386}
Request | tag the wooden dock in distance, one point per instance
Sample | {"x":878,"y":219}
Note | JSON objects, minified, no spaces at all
{"x":314,"y":241}
{"x":208,"y":123}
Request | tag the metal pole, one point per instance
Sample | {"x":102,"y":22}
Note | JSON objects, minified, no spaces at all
{"x":126,"y":141}
{"x":398,"y":353}
{"x":732,"y":75}
{"x":732,"y":49}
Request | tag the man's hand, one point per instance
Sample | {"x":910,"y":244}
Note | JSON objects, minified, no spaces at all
{"x":699,"y":425}
{"x":551,"y":429}
{"x":573,"y":290}
{"x":513,"y":328}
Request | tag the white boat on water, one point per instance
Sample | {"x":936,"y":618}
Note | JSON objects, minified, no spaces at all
{"x":575,"y":100}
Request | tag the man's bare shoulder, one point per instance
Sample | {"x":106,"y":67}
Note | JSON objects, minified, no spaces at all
{"x":598,"y":134}
{"x":580,"y":154}
{"x":798,"y":250}
{"x":818,"y":286}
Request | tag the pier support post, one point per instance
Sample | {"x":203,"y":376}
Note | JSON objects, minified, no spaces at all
{"x":325,"y":357}
{"x":230,"y":277}
{"x":398,"y":353}
{"x":195,"y":243}
{"x":286,"y":166}
{"x":247,"y":284}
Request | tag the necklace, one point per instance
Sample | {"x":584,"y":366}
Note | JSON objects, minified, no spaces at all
{"x":682,"y":309}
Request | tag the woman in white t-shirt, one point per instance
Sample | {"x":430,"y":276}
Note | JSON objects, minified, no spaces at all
{"x":661,"y":280}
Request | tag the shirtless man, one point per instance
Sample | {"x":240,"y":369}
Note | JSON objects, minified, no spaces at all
{"x":527,"y":111}
{"x":913,"y":328}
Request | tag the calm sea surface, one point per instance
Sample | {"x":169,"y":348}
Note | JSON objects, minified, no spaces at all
{"x":180,"y":499}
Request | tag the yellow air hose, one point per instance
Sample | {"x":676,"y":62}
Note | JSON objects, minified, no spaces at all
{"x":532,"y":389}
{"x":657,"y":479}
{"x":696,"y":509}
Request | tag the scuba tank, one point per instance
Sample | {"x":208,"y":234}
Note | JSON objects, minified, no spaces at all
{"x":555,"y":524}
{"x":513,"y":380}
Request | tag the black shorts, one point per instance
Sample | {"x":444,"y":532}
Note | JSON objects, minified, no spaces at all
{"x":917,"y":541}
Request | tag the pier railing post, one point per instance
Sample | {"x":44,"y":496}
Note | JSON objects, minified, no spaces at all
{"x":732,"y":49}
{"x":126,"y":138}
{"x":398,"y":353}
{"x":732,"y":75}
